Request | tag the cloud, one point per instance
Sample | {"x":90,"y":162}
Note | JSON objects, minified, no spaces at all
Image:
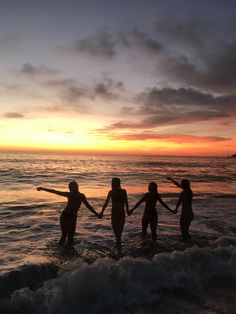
{"x":106,"y":44}
{"x":60,"y":130}
{"x":13,"y":115}
{"x":128,"y":111}
{"x":74,"y":93}
{"x":31,"y":70}
{"x":217,"y":72}
{"x":70,"y":91}
{"x":188,"y":51}
{"x":199,"y":52}
{"x":169,"y":107}
{"x":140,"y":39}
{"x":167,"y":137}
{"x":190,"y":33}
{"x":194,"y":116}
{"x":101,"y":44}
{"x":108,"y":89}
{"x":181,"y":100}
{"x":165,"y":119}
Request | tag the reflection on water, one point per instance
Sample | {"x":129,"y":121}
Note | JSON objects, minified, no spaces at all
{"x":29,"y":224}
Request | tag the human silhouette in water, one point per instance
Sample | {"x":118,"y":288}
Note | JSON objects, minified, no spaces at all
{"x":119,"y":199}
{"x":150,"y":215}
{"x":68,"y":216}
{"x":185,"y":199}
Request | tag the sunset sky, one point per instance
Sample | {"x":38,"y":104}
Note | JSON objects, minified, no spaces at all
{"x":140,"y":77}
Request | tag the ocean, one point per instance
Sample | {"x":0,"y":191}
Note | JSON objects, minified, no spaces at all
{"x":171,"y":276}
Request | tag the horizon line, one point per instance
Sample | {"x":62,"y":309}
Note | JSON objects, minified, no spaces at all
{"x":101,"y":152}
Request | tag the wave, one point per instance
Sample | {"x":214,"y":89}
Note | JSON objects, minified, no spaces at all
{"x":108,"y":285}
{"x":30,"y":275}
{"x":25,"y":207}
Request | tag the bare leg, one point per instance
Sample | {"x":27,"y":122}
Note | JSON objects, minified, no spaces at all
{"x":118,"y":222}
{"x":153,"y":225}
{"x":71,"y":230}
{"x":145,"y":222}
{"x":185,"y":222}
{"x":64,"y":231}
{"x":118,"y":242}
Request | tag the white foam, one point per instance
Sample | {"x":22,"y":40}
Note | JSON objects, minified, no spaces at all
{"x":107,"y":284}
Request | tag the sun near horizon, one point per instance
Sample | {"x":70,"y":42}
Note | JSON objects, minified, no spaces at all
{"x":116,"y":83}
{"x":72,"y":135}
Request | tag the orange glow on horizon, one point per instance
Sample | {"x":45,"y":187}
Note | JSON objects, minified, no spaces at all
{"x":180,"y":151}
{"x":66,"y":135}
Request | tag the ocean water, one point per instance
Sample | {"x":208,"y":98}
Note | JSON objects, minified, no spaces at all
{"x":37,"y":276}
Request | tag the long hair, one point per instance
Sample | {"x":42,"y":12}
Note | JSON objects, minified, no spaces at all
{"x":115,"y":184}
{"x":73,"y":186}
{"x":152,"y":187}
{"x":185,"y":185}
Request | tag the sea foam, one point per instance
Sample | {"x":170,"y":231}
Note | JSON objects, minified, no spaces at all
{"x":107,"y":284}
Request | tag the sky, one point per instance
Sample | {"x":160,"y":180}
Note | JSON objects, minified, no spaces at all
{"x":136,"y":77}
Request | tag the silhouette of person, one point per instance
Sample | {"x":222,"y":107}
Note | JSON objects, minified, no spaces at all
{"x":185,"y":199}
{"x":150,"y":215}
{"x":119,"y":200}
{"x":68,"y":216}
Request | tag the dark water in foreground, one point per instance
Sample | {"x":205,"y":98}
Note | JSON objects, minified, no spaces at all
{"x":36,"y":276}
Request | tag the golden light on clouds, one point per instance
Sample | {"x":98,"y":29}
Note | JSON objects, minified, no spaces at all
{"x":158,"y":87}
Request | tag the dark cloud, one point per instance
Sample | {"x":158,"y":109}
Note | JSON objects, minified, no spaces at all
{"x":101,"y":44}
{"x":194,"y":116}
{"x":106,"y":44}
{"x":168,"y":106}
{"x":189,"y":51}
{"x":72,"y":94}
{"x":108,"y":89}
{"x":167,"y":137}
{"x":121,"y":125}
{"x":32,"y":70}
{"x":166,"y":119}
{"x":220,"y":72}
{"x":217,"y":72}
{"x":199,"y":52}
{"x":140,"y":39}
{"x":69,"y":90}
{"x":190,"y":33}
{"x":13,"y":115}
{"x":180,"y":100}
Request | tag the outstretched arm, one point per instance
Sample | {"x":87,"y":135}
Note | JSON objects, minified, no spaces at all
{"x":65,"y":194}
{"x":173,"y":181}
{"x":86,"y":203}
{"x":106,"y":202}
{"x":137,"y":204}
{"x":178,"y":203}
{"x":165,"y":205}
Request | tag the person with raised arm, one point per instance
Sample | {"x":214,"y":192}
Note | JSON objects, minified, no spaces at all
{"x":119,"y":199}
{"x":150,"y":215}
{"x":68,"y":216}
{"x":185,"y":198}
